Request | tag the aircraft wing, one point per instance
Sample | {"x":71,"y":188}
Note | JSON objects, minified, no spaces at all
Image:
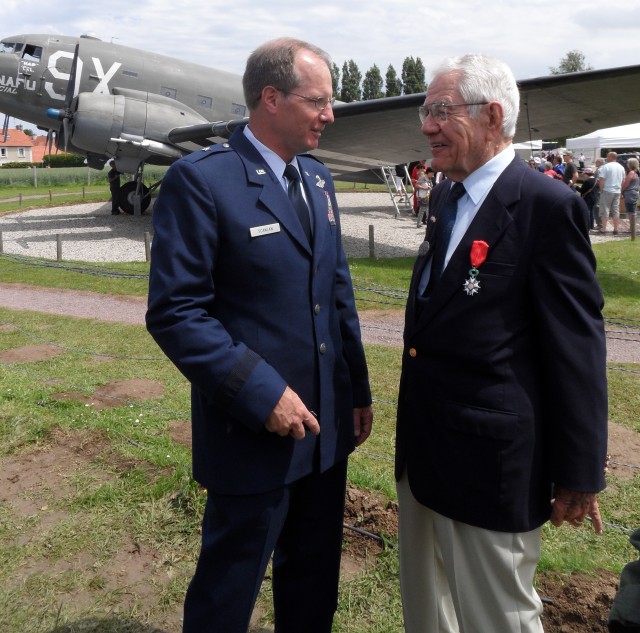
{"x":387,"y":131}
{"x":370,"y":134}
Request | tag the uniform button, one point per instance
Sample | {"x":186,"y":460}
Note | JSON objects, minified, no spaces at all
{"x":323,"y":348}
{"x":316,"y":309}
{"x":412,"y":352}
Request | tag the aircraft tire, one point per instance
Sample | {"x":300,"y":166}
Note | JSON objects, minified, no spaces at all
{"x":127,"y":193}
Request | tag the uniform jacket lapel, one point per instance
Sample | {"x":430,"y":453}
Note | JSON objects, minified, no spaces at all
{"x":272,"y":196}
{"x":317,"y":199}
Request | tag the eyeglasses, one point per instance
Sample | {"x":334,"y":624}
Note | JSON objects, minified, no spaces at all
{"x":320,"y":102}
{"x":440,"y":110}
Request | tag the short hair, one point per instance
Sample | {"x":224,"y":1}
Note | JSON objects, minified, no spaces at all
{"x":273,"y":64}
{"x":484,"y":78}
{"x":633,"y":164}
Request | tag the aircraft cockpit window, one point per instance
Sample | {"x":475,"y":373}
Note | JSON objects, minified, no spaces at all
{"x":7,"y":47}
{"x":32,"y":53}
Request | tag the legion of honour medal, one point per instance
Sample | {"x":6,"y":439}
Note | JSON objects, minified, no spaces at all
{"x":479,"y":251}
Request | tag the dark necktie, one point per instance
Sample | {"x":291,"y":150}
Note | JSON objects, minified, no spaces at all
{"x":297,"y":200}
{"x":444,"y":227}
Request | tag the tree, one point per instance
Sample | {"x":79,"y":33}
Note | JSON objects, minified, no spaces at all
{"x":394,"y":85}
{"x":372,"y":84}
{"x":335,"y":77}
{"x":413,"y":72}
{"x":351,"y":78}
{"x":573,"y":62}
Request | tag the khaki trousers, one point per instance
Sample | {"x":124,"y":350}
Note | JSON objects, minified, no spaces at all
{"x":457,"y":578}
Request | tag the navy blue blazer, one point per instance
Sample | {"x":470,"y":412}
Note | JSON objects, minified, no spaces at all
{"x":503,"y":392}
{"x":243,"y":306}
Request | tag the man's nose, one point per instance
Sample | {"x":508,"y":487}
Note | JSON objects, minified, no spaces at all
{"x":430,"y":125}
{"x":327,"y":114}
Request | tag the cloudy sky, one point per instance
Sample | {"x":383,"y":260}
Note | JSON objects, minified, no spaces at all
{"x":530,"y":35}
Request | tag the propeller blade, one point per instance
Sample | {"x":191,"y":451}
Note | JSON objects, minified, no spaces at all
{"x":49,"y":141}
{"x":71,"y":86}
{"x":66,"y":125}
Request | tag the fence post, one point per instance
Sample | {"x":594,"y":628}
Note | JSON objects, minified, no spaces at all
{"x":372,"y":244}
{"x":147,"y":245}
{"x":20,"y":199}
{"x":1,"y":245}
{"x":58,"y":247}
{"x":50,"y":196}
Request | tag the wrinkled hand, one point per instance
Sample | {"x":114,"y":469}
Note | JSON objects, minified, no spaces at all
{"x":362,"y":423}
{"x":573,"y":507}
{"x":291,"y":417}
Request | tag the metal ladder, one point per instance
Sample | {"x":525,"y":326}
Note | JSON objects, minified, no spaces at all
{"x":388,"y":173}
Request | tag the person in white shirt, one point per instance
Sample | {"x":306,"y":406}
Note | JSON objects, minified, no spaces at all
{"x":610,"y":177}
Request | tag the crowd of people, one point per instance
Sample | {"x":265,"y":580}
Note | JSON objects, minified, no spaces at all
{"x":620,"y":183}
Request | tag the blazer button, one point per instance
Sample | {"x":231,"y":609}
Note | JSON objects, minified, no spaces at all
{"x":323,"y":348}
{"x":412,"y":352}
{"x":316,"y":308}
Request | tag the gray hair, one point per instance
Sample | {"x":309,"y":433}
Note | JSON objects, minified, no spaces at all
{"x":273,"y":64}
{"x":633,"y":164}
{"x":484,"y":78}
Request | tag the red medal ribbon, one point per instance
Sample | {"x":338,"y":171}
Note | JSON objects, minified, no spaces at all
{"x":479,"y":250}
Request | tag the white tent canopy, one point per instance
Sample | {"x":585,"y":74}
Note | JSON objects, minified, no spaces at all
{"x":618,"y":137}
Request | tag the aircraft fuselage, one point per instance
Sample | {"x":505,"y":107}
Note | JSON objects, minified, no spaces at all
{"x":35,"y":71}
{"x":107,"y":100}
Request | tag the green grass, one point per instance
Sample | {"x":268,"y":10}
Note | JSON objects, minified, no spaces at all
{"x":121,"y":481}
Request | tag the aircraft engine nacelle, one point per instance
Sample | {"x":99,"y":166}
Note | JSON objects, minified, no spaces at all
{"x":129,"y":123}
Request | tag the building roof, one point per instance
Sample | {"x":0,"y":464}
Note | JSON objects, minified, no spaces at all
{"x":16,"y":138}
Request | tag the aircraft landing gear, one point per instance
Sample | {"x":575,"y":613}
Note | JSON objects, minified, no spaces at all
{"x":127,"y":197}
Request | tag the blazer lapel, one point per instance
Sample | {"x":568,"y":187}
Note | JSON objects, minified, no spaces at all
{"x":489,"y":225}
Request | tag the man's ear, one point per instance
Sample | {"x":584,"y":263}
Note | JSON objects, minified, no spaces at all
{"x":269,"y":97}
{"x":496,"y":116}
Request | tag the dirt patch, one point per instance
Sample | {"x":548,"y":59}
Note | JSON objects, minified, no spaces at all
{"x":30,"y":353}
{"x":577,"y":603}
{"x":116,"y":393}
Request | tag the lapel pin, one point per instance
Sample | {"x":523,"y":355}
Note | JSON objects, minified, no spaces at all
{"x":424,"y":248}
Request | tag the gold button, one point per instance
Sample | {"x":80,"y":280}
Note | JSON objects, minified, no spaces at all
{"x":412,"y":352}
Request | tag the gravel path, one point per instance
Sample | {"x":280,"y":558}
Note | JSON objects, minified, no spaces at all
{"x":90,"y":233}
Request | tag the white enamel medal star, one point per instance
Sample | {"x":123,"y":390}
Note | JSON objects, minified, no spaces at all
{"x":471,"y":286}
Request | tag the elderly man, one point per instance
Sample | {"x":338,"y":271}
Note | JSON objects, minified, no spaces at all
{"x":610,"y":177}
{"x":250,"y":296}
{"x":502,"y":410}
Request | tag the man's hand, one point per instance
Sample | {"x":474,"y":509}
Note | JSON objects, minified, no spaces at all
{"x":362,"y":422}
{"x":291,"y":417}
{"x":573,"y":507}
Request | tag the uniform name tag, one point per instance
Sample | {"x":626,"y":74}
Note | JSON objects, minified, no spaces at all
{"x":257,"y":231}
